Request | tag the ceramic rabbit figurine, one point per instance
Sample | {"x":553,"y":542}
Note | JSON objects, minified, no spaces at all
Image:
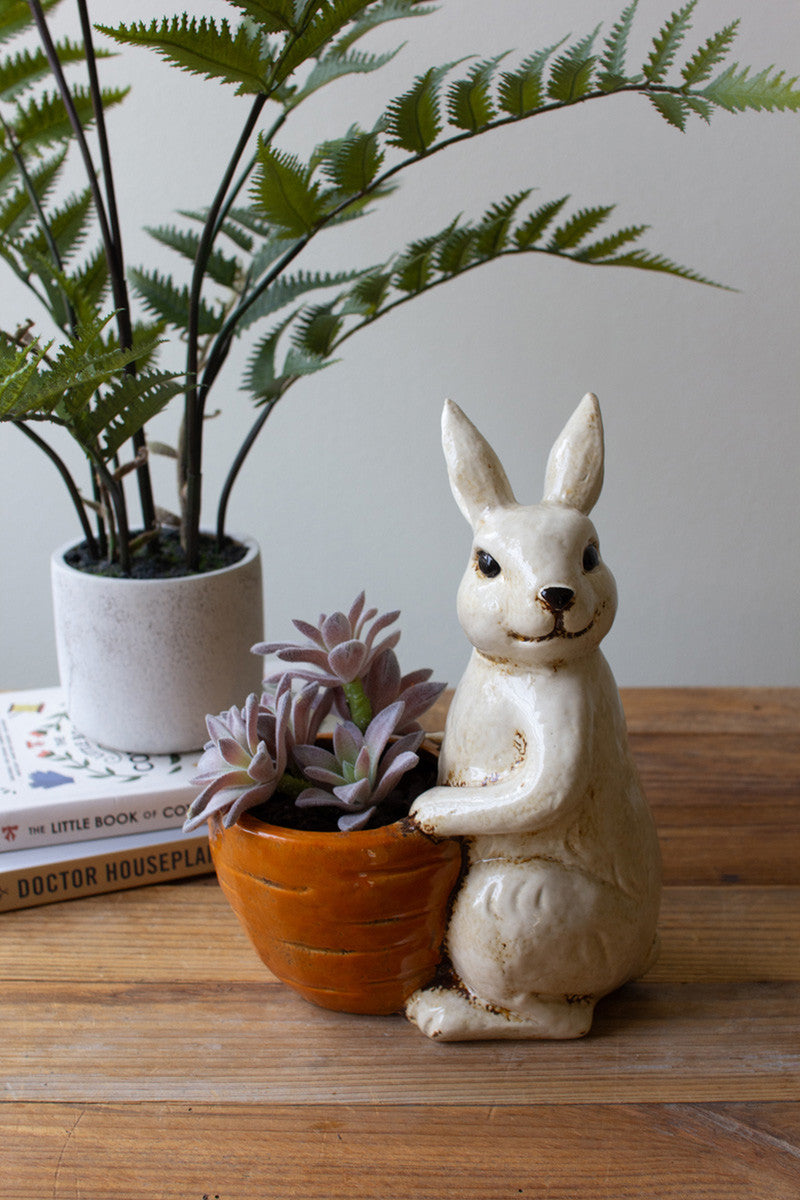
{"x":559,"y":901}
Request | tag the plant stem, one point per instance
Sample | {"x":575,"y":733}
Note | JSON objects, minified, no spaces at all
{"x":195,"y":393}
{"x":72,"y":488}
{"x":237,"y":464}
{"x":124,"y":314}
{"x":358,"y":703}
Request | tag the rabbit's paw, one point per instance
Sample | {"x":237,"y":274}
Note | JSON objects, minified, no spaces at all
{"x":449,"y":1015}
{"x":439,"y":811}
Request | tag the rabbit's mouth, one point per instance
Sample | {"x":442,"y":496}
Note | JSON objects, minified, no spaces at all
{"x":558,"y":631}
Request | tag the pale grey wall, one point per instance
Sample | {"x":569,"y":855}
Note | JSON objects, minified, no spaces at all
{"x":698,"y":387}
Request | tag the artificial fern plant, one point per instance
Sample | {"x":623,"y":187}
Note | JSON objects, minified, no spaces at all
{"x":251,"y":248}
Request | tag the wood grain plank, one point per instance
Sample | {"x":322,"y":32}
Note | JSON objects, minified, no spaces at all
{"x":162,"y":934}
{"x":732,"y":710}
{"x":261,"y":1043}
{"x":338,"y":1151}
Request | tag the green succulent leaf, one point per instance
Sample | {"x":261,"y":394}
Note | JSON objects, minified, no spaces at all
{"x":204,"y":47}
{"x":667,"y":43}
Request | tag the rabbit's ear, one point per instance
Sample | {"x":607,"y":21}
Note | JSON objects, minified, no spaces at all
{"x":574,"y":473}
{"x":477,"y":478}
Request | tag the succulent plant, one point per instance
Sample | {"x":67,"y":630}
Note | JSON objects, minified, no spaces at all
{"x":358,"y":772}
{"x":270,"y":747}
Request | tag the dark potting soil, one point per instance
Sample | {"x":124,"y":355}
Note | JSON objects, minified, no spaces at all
{"x":160,"y":558}
{"x":282,"y":811}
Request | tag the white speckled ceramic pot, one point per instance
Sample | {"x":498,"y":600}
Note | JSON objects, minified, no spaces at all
{"x":143,"y":661}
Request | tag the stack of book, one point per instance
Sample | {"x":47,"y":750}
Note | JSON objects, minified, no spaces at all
{"x":77,"y":819}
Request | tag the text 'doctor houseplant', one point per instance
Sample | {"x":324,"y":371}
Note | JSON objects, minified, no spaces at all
{"x":86,"y":364}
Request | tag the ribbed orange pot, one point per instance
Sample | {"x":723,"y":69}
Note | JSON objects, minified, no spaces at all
{"x":353,"y":921}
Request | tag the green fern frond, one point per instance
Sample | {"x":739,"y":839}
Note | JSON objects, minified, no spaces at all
{"x":674,"y":109}
{"x":68,"y":225}
{"x":123,"y":408}
{"x":352,"y":162}
{"x":571,"y":75}
{"x":703,"y":61}
{"x":316,"y":330}
{"x":413,"y":121}
{"x":667,"y":42}
{"x":369,"y":293}
{"x":15,"y":15}
{"x":17,"y":210}
{"x":260,"y":375}
{"x":18,"y":365}
{"x":736,"y":90}
{"x":491,"y":233}
{"x":335,"y":66}
{"x":612,"y":73}
{"x":186,"y":242}
{"x":43,"y":121}
{"x":285,"y":193}
{"x":379,"y":14}
{"x":415,"y":266}
{"x":644,"y":261}
{"x":457,"y":251}
{"x":274,"y":16}
{"x":231,"y":228}
{"x":521,"y":91}
{"x":328,"y":22}
{"x":469,"y":101}
{"x":204,"y":47}
{"x":171,"y":303}
{"x":528,"y":233}
{"x":287,"y":288}
{"x":21,"y":71}
{"x":91,"y":280}
{"x":572,"y":232}
{"x":609,"y":245}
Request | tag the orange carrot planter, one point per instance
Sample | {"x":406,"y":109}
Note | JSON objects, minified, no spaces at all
{"x":352,"y":921}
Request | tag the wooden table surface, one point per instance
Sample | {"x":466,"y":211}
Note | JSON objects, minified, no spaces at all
{"x":145,"y":1051}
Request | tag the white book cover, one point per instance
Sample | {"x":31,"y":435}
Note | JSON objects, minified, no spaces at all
{"x":57,"y":786}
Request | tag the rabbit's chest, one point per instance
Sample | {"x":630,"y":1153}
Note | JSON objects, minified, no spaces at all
{"x":485,"y":741}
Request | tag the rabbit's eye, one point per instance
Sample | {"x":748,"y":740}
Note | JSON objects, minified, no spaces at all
{"x":487,"y":565}
{"x":591,"y":557}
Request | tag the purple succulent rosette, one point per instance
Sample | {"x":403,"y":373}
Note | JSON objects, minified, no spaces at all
{"x":341,"y":647}
{"x":271,"y":745}
{"x":239,"y":768}
{"x":361,"y":771}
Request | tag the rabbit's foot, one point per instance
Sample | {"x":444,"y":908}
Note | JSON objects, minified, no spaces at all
{"x":451,"y":1015}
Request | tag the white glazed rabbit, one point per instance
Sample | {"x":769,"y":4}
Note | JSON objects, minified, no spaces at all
{"x":559,"y":901}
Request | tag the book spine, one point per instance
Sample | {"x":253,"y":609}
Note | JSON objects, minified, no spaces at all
{"x":88,"y":817}
{"x":93,"y":875}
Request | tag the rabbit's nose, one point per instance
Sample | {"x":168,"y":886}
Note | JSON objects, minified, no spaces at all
{"x":557,"y":599}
